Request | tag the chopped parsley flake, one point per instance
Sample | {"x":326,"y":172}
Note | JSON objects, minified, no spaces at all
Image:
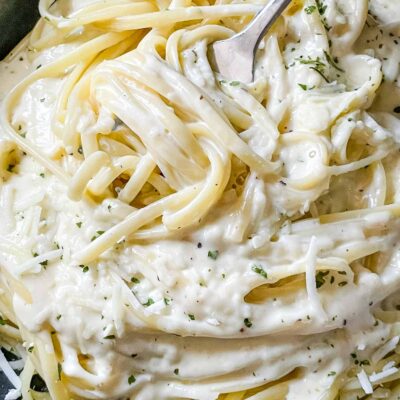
{"x":260,"y":271}
{"x":85,"y":268}
{"x":310,"y":9}
{"x":191,"y":317}
{"x":213,"y":254}
{"x":135,"y":280}
{"x":332,"y":62}
{"x":332,"y":373}
{"x":149,"y":302}
{"x":98,"y":233}
{"x":110,"y":337}
{"x":248,"y":323}
{"x":320,"y":278}
{"x":305,"y":87}
{"x":321,"y":7}
{"x":316,"y":65}
{"x":176,"y":371}
{"x":79,"y":224}
{"x":131,"y":380}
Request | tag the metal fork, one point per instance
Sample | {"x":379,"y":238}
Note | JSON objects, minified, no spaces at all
{"x":234,"y":57}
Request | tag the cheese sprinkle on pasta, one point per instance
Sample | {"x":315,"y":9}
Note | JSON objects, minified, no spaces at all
{"x":169,"y":234}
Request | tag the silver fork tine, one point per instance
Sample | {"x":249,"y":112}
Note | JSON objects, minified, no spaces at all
{"x":234,"y":57}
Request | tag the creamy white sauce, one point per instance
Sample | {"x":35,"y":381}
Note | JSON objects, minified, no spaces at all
{"x":196,"y":302}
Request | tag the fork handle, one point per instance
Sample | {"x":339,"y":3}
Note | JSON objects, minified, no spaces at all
{"x":257,"y":28}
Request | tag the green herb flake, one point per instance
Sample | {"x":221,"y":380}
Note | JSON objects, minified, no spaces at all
{"x":79,"y":224}
{"x":332,"y":62}
{"x":320,"y":278}
{"x":248,"y":323}
{"x":135,"y":280}
{"x":305,"y":87}
{"x":2,"y":321}
{"x":321,"y":7}
{"x":213,"y":254}
{"x":109,"y":337}
{"x":310,"y":9}
{"x":320,"y":73}
{"x":98,"y":233}
{"x":149,"y":302}
{"x":59,"y":317}
{"x":234,"y":83}
{"x":31,"y":348}
{"x":85,"y":268}
{"x":131,"y":380}
{"x":311,"y":61}
{"x":260,"y":271}
{"x":332,"y":373}
{"x":176,"y":371}
{"x":191,"y":317}
{"x":316,"y":65}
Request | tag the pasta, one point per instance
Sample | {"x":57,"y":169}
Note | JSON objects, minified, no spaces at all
{"x":170,"y":234}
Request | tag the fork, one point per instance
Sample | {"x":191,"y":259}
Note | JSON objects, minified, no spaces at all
{"x":234,"y":57}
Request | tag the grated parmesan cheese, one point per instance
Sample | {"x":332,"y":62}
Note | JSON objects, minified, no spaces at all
{"x":389,"y":365}
{"x":311,"y":263}
{"x":364,"y":382}
{"x":35,"y":261}
{"x":375,"y":377}
{"x":385,"y":349}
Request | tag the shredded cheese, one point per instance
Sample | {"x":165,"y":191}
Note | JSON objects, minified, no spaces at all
{"x":364,"y":382}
